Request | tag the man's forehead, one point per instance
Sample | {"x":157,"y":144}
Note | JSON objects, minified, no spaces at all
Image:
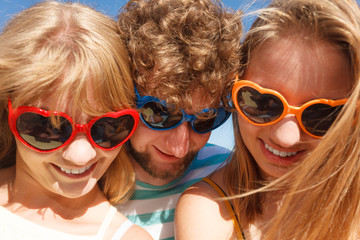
{"x":195,"y":102}
{"x":196,"y":99}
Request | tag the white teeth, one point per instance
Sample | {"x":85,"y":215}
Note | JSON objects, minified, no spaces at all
{"x":75,"y":171}
{"x":279,"y":153}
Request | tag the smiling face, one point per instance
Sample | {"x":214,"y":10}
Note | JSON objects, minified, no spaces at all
{"x":300,"y":71}
{"x":71,"y":171}
{"x":159,"y":157}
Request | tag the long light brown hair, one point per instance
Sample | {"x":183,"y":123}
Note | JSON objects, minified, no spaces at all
{"x":323,"y":191}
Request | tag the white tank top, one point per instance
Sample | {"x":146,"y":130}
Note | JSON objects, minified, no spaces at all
{"x":14,"y":227}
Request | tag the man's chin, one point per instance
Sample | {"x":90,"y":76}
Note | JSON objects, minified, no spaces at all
{"x":169,"y":173}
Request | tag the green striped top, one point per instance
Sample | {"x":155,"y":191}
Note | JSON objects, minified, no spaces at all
{"x":153,"y":207}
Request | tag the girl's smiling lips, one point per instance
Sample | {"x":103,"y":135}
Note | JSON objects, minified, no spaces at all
{"x":75,"y":172}
{"x":278,"y":152}
{"x":280,"y":157}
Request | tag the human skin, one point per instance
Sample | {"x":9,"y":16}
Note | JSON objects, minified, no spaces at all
{"x":79,"y":156}
{"x":58,"y":189}
{"x":168,"y":152}
{"x":300,"y":71}
{"x":44,"y":194}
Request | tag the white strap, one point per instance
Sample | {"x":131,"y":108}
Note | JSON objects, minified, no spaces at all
{"x":122,"y":230}
{"x":106,"y":222}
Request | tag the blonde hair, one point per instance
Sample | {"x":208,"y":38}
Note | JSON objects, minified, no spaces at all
{"x":323,"y":191}
{"x":56,"y":49}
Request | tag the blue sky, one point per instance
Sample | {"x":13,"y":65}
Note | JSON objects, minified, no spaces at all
{"x":109,"y":7}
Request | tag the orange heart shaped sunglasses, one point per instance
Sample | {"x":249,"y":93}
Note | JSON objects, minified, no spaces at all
{"x":262,"y":106}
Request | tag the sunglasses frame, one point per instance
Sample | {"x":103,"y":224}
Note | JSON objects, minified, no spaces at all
{"x":76,"y":128}
{"x":141,"y":101}
{"x":288,"y":109}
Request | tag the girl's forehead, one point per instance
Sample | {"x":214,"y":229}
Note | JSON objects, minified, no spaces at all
{"x":67,"y":106}
{"x":314,"y":69}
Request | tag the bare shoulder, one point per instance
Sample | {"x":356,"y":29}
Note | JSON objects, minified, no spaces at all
{"x":204,"y":189}
{"x":137,"y":232}
{"x":133,"y":232}
{"x":202,"y":214}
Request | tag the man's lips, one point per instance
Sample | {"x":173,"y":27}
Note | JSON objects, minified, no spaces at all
{"x":166,"y":157}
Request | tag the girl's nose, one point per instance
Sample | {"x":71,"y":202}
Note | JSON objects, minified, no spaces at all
{"x":286,"y":133}
{"x":79,"y":151}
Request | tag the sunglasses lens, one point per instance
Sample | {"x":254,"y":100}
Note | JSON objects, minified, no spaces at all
{"x":257,"y":107}
{"x":157,"y":116}
{"x":40,"y":132}
{"x":108,"y":132}
{"x":203,"y":125}
{"x":318,"y":118}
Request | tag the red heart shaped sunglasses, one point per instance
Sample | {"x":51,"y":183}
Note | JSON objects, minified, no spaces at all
{"x":46,"y":131}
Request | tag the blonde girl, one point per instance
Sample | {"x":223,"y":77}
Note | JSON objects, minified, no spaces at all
{"x":66,"y":99}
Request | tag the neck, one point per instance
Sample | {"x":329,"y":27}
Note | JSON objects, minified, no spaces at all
{"x":271,"y":205}
{"x":25,"y":194}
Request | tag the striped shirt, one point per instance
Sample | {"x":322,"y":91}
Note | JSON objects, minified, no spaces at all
{"x":153,"y":207}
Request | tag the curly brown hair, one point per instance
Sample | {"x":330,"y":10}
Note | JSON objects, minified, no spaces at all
{"x":180,"y":46}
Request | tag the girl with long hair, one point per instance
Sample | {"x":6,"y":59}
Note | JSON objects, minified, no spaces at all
{"x":295,"y":170}
{"x":65,"y":94}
